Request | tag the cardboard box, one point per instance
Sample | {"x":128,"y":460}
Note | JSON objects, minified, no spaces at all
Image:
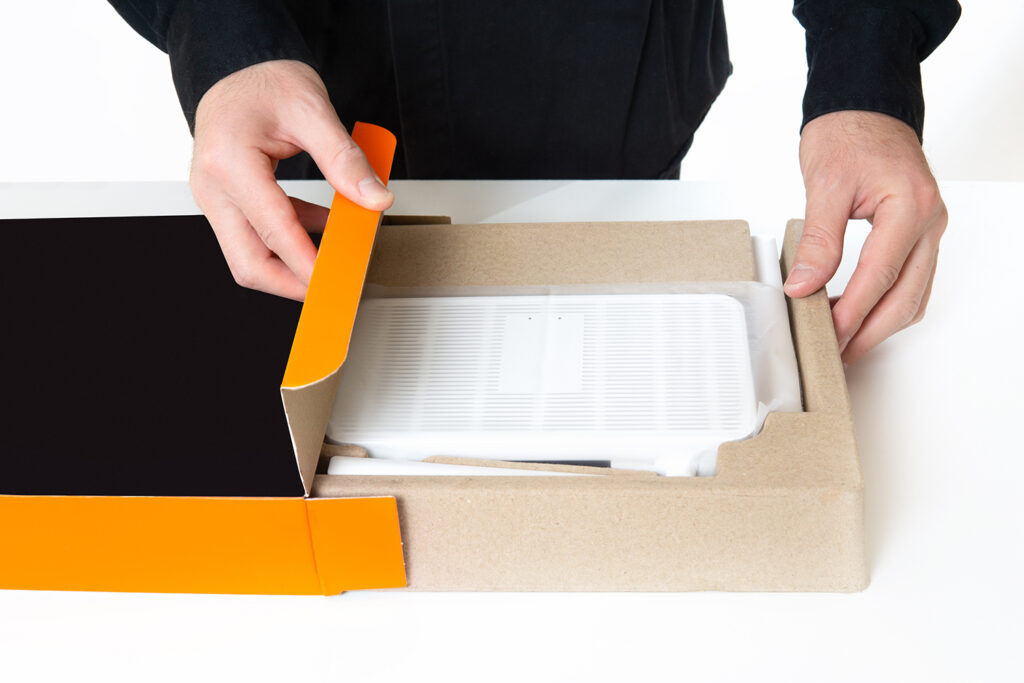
{"x":784,"y":511}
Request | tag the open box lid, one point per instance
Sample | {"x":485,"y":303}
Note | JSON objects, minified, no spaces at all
{"x":329,"y":312}
{"x":210,"y":544}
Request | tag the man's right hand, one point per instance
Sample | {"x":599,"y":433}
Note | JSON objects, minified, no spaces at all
{"x":245,"y":124}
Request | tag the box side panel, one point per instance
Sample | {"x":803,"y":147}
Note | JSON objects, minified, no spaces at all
{"x":175,"y":545}
{"x":357,"y":543}
{"x":615,"y":536}
{"x":524,"y":254}
{"x":821,"y":370}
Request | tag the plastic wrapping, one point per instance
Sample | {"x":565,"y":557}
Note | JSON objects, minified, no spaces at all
{"x":773,"y":374}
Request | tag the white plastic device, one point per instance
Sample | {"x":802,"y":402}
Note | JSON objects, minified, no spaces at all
{"x":644,"y":381}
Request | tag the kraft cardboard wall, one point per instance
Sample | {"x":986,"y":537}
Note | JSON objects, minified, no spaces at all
{"x":784,"y":511}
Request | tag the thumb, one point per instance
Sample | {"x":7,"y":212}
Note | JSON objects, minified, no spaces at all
{"x":821,"y":245}
{"x":342,"y":161}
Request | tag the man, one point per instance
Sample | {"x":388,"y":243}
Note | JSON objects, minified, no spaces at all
{"x":534,"y":89}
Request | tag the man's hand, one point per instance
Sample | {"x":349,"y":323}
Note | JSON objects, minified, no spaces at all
{"x":860,"y":164}
{"x":247,"y":122}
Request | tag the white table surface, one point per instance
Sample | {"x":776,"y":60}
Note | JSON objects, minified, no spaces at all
{"x":936,"y":411}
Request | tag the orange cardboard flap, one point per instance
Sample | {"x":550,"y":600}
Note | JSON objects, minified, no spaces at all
{"x":325,"y":324}
{"x":356,"y":543}
{"x":329,"y":312}
{"x":199,"y":545}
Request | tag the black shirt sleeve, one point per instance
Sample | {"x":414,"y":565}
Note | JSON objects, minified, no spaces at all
{"x":207,"y":41}
{"x":866,"y":54}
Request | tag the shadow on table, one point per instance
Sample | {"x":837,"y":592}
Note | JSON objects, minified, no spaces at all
{"x":874,"y":425}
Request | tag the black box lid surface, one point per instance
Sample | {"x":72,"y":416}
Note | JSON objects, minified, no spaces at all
{"x":134,"y":365}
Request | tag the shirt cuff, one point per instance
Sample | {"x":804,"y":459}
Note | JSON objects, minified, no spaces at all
{"x":865,"y":60}
{"x":207,"y":41}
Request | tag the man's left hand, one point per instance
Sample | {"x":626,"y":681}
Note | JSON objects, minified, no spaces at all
{"x":855,"y":165}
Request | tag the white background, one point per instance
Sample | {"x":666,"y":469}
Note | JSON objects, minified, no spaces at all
{"x":937,"y":408}
{"x":85,"y":98}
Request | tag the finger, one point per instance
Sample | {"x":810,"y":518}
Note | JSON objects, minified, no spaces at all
{"x":894,"y":233}
{"x":901,"y":306}
{"x":341,"y":160}
{"x":251,"y":263}
{"x":821,"y":245}
{"x":313,"y":217}
{"x":832,"y":301}
{"x":927,"y":293}
{"x":268,"y":209}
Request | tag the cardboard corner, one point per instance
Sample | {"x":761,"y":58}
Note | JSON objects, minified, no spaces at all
{"x":357,"y":543}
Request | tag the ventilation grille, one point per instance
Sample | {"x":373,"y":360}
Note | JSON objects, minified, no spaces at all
{"x":576,"y":363}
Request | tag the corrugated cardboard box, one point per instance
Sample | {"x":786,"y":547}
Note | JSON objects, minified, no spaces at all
{"x":784,"y":510}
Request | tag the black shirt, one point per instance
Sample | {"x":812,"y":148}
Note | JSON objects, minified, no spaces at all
{"x":537,"y":89}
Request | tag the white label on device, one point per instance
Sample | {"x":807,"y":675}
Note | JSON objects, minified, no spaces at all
{"x":542,"y":353}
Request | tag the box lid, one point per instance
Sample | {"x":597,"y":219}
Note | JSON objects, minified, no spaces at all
{"x":290,"y":545}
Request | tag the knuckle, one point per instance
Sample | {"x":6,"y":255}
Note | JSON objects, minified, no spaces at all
{"x":202,"y":184}
{"x":275,"y":232}
{"x":271,"y":236}
{"x":275,"y":216}
{"x":824,"y":181}
{"x":244,"y":275}
{"x":885,"y":274}
{"x":195,"y":180}
{"x":845,"y":319}
{"x":927,"y":199}
{"x":824,"y":169}
{"x":906,"y":310}
{"x":942,"y":220}
{"x":346,"y":154}
{"x":304,"y":105}
{"x":918,"y":317}
{"x":817,"y":237}
{"x":903,"y":187}
{"x":817,"y":179}
{"x":198,"y":186}
{"x":209,"y":161}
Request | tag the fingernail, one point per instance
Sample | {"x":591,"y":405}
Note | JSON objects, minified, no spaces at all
{"x":799,"y":274}
{"x":842,"y":344}
{"x":372,"y":188}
